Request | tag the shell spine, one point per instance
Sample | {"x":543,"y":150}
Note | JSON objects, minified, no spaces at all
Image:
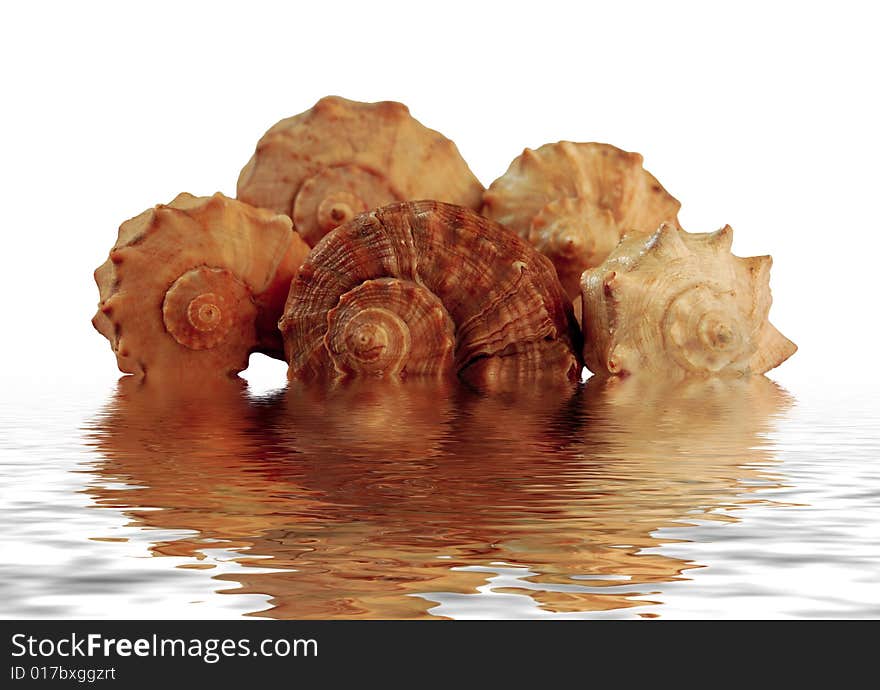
{"x":192,"y":287}
{"x":676,"y":304}
{"x":472,"y":297}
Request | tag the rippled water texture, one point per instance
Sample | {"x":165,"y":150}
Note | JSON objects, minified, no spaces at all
{"x":410,"y":500}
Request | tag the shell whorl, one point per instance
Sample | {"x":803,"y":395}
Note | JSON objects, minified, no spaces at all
{"x":341,"y":157}
{"x":574,"y":202}
{"x":204,"y":306}
{"x":678,"y":304}
{"x":335,"y":195}
{"x":424,"y":287}
{"x":191,"y":288}
{"x":386,"y":325}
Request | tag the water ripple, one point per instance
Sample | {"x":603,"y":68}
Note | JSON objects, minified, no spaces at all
{"x":380,"y":500}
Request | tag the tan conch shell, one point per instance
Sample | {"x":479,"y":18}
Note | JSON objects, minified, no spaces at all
{"x":574,"y":202}
{"x":425,"y":288}
{"x":191,"y":288}
{"x":679,"y":304}
{"x":328,"y":164}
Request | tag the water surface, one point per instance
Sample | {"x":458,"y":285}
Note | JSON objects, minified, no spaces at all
{"x":418,"y":500}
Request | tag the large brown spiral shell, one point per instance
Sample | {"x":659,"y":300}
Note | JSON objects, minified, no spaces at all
{"x":191,"y":288}
{"x":574,"y":202}
{"x":427,"y":288}
{"x":341,"y":157}
{"x":680,"y":304}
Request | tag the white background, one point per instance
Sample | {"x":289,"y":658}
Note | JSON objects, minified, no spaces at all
{"x":763,"y":116}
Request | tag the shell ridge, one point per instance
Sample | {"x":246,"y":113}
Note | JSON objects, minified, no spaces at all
{"x":441,"y":249}
{"x":382,"y":138}
{"x":601,"y":178}
{"x":690,"y":308}
{"x":480,"y":315}
{"x":494,"y":339}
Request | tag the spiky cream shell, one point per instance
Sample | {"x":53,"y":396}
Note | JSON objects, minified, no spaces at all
{"x":678,"y":304}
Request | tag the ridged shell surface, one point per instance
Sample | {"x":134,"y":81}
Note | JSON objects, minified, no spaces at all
{"x":425,"y":288}
{"x":574,"y":202}
{"x":342,"y":157}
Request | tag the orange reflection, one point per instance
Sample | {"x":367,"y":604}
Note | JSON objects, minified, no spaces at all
{"x":364,"y":492}
{"x":651,"y":455}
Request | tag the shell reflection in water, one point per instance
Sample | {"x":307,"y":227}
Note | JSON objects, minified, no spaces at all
{"x":653,"y":455}
{"x":188,"y":452}
{"x":392,"y":499}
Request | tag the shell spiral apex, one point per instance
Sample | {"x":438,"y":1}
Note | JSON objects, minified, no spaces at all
{"x":426,"y":288}
{"x":574,"y":202}
{"x":677,"y":304}
{"x":341,"y":158}
{"x":191,"y":288}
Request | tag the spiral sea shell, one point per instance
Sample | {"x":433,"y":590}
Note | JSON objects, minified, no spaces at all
{"x":191,"y":288}
{"x":328,"y":164}
{"x":574,"y":201}
{"x":680,"y":304}
{"x":426,"y":288}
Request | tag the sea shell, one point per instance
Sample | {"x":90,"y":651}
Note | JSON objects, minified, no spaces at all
{"x":680,"y":304}
{"x":426,"y":288}
{"x":574,"y":202}
{"x":191,"y":288}
{"x":328,"y":164}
